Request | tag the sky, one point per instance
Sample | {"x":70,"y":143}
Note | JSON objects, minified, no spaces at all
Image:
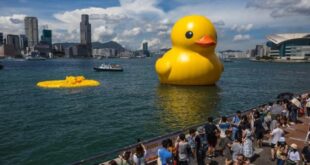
{"x":240,"y":24}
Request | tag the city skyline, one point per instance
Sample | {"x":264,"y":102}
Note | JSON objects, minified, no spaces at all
{"x":240,"y":24}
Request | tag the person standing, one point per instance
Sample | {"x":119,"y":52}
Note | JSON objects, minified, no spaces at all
{"x":225,"y":146}
{"x":235,"y":124}
{"x":191,"y":141}
{"x":258,"y":130}
{"x":275,"y":136}
{"x":211,"y":132}
{"x":165,"y":156}
{"x":201,"y":146}
{"x":183,"y":150}
{"x":281,"y":150}
{"x":139,"y":155}
{"x":236,"y":148}
{"x":305,"y":153}
{"x":293,"y":156}
{"x":308,"y":105}
{"x":248,"y":149}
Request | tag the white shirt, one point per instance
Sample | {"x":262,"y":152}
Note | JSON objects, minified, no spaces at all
{"x":276,"y":134}
{"x":294,"y":156}
{"x":308,"y":103}
{"x":141,"y":161}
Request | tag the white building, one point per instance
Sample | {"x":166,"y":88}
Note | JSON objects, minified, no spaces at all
{"x":289,"y":45}
{"x":104,"y":53}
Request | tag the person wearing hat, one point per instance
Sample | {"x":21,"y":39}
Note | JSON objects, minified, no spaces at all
{"x":281,"y":149}
{"x":293,"y":156}
{"x":201,"y":146}
{"x":305,"y":153}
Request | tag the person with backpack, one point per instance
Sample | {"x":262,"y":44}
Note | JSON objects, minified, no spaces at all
{"x":201,"y":146}
{"x":139,"y":155}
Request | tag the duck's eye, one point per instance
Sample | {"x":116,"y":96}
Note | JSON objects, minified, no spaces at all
{"x":189,"y":34}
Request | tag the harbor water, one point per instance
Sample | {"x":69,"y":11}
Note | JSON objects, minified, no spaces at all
{"x":60,"y":126}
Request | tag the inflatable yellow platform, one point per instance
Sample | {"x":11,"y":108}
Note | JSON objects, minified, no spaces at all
{"x":69,"y":82}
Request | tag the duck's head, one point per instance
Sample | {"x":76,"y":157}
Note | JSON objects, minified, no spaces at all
{"x":195,"y":33}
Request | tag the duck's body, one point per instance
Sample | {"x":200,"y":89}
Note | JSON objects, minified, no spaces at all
{"x":192,"y":59}
{"x":183,"y":67}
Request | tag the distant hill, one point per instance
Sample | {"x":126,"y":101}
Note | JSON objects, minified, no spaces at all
{"x":110,"y":44}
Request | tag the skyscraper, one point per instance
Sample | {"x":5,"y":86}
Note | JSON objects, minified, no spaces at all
{"x":23,"y":41}
{"x":144,"y":46}
{"x":31,"y":30}
{"x":145,"y":49}
{"x":13,"y":40}
{"x":1,"y":39}
{"x":46,"y":37}
{"x":85,"y":33}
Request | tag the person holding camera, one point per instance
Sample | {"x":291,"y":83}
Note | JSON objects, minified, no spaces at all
{"x":281,"y":149}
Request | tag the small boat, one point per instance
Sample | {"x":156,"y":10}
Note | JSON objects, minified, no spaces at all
{"x":1,"y":66}
{"x":108,"y":67}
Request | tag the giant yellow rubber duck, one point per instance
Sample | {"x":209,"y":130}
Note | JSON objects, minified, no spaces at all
{"x":192,"y":59}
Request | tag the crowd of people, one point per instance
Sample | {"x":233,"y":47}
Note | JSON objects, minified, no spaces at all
{"x":236,"y":139}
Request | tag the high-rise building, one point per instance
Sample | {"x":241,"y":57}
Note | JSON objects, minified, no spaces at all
{"x":145,"y":49}
{"x":13,"y":40}
{"x":144,"y":46}
{"x":1,"y":39}
{"x":46,"y":37}
{"x":31,"y":30}
{"x":23,"y":41}
{"x":85,"y":33}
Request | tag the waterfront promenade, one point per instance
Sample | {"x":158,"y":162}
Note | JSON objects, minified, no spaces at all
{"x":294,"y":134}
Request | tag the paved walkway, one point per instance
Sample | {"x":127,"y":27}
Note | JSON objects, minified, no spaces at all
{"x":294,"y":134}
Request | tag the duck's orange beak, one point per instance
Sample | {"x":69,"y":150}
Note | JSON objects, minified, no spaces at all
{"x":205,"y":41}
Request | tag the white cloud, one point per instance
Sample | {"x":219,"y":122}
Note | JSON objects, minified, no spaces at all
{"x":137,"y":20}
{"x":241,"y":37}
{"x":132,"y":32}
{"x":12,"y":24}
{"x":103,"y":34}
{"x":281,"y":8}
{"x":242,"y":28}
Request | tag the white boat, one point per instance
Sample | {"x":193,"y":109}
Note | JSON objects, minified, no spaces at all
{"x":108,"y":67}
